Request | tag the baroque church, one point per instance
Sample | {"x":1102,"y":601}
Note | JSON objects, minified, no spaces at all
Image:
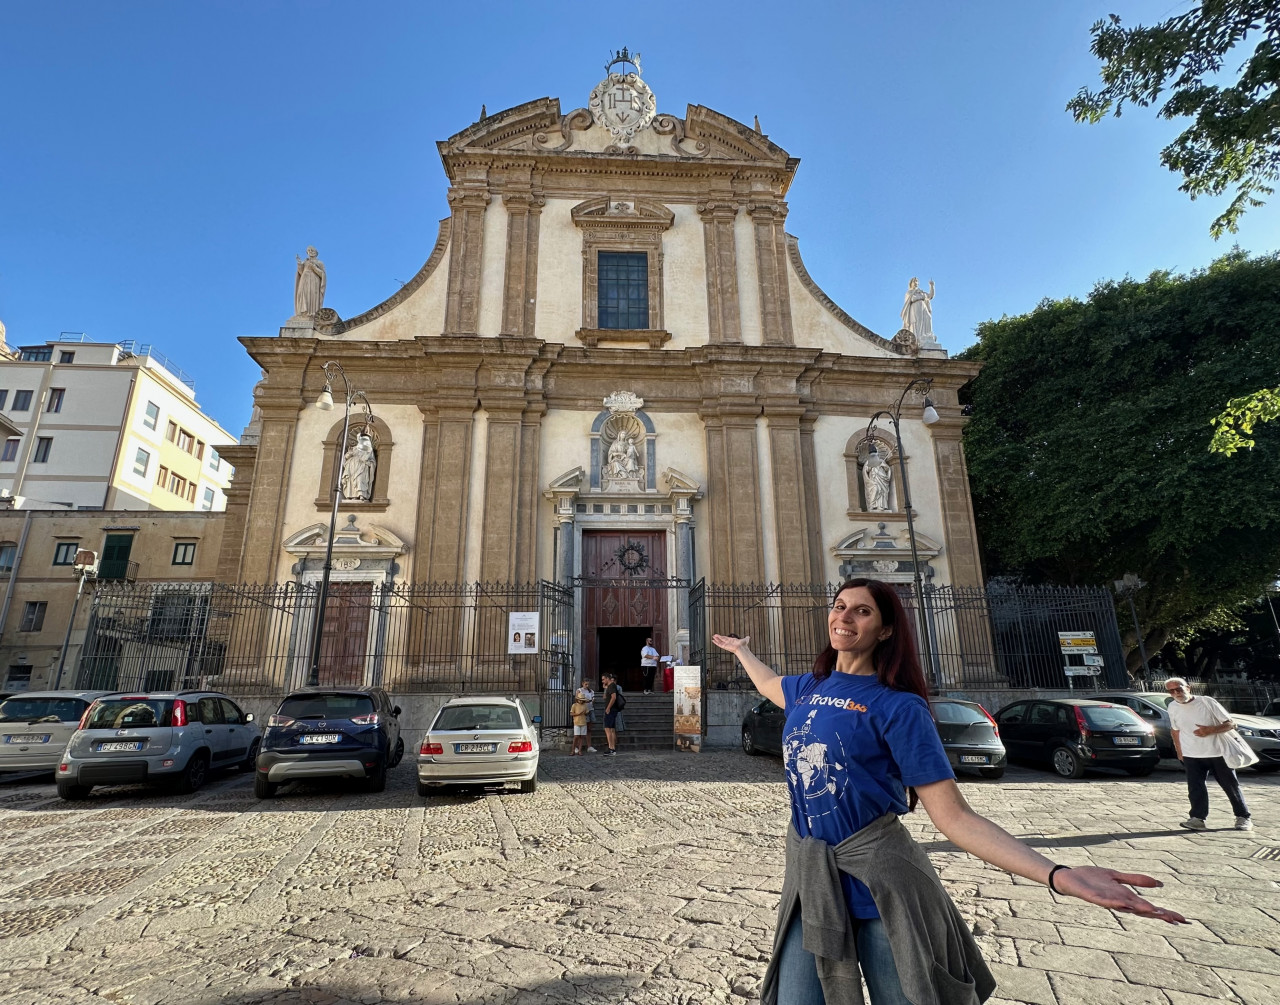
{"x":612,"y":363}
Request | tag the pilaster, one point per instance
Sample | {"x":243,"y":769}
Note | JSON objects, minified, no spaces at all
{"x":963,"y":558}
{"x":462,"y":306}
{"x":769,"y":223}
{"x":718,"y":217}
{"x":243,"y":458}
{"x":520,"y":286}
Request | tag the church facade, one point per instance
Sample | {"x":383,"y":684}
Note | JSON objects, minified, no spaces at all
{"x":612,"y":364}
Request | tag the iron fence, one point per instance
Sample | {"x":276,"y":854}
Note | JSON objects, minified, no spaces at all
{"x":439,"y":637}
{"x":997,"y":636}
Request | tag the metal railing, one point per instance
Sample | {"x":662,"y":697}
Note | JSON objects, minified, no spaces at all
{"x":117,"y":570}
{"x":439,"y":637}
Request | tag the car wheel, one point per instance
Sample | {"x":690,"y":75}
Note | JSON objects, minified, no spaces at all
{"x":377,"y":781}
{"x":69,"y":790}
{"x":194,"y":774}
{"x":1141,"y":771}
{"x":262,"y":788}
{"x":424,"y":789}
{"x":1067,"y":764}
{"x":251,"y":762}
{"x":748,"y":743}
{"x":398,"y":754}
{"x":992,"y":772}
{"x":529,"y":784}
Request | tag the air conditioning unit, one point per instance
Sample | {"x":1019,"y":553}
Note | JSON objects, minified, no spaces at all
{"x":86,"y":561}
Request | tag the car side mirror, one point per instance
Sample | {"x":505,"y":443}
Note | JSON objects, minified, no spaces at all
{"x":248,"y":717}
{"x":537,"y":719}
{"x":395,"y":710}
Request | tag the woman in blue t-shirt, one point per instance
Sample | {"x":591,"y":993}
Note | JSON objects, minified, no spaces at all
{"x":859,"y":742}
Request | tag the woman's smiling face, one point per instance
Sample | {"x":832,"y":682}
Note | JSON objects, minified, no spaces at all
{"x":854,"y":624}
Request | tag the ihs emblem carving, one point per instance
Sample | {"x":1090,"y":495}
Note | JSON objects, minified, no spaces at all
{"x":622,"y":102}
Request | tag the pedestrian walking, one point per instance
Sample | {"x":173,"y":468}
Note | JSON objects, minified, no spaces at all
{"x":614,"y":703}
{"x":589,"y":696}
{"x":578,"y":713}
{"x":859,"y":895}
{"x":1199,"y":725}
{"x":648,"y":664}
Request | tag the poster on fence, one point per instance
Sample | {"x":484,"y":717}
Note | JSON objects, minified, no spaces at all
{"x":688,"y":708}
{"x":522,"y":632}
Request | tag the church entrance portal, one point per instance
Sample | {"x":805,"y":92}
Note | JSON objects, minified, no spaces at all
{"x":626,"y":598}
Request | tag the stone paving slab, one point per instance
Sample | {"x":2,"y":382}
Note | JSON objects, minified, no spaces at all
{"x":646,"y":879}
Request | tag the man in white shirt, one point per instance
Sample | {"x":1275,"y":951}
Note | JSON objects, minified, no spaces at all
{"x":648,"y":664}
{"x":1198,"y":723}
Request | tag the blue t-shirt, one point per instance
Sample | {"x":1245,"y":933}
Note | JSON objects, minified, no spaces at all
{"x":851,"y":747}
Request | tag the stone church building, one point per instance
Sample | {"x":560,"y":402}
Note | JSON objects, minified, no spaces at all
{"x":613,"y":363}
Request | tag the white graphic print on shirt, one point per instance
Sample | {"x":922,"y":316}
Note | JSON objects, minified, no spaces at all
{"x":813,"y":770}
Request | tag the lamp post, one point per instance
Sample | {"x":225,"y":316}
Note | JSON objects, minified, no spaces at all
{"x":332,"y":371}
{"x":928,"y":415}
{"x":1126,"y":588}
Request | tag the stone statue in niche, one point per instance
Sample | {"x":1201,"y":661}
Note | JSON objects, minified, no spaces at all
{"x":308,"y":286}
{"x":917,"y":313}
{"x":876,"y":474}
{"x":359,"y":464}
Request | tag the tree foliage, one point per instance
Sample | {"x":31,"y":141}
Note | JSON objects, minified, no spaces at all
{"x":1088,"y":443}
{"x":1234,"y":138}
{"x":1233,"y":428}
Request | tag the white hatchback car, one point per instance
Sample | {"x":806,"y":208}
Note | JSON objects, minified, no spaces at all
{"x":480,"y":741}
{"x":36,"y":725}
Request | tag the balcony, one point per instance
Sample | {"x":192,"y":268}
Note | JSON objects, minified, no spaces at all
{"x":117,"y":570}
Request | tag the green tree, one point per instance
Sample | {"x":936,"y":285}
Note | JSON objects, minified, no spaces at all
{"x":1087,"y":446}
{"x":1233,"y":429}
{"x":1234,"y":138}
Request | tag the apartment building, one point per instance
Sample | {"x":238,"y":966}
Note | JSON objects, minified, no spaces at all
{"x":104,"y":426}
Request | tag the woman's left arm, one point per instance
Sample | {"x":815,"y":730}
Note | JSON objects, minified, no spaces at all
{"x":977,"y":835}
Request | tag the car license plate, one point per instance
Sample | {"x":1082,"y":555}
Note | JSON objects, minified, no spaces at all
{"x":476,"y":748}
{"x":974,"y":759}
{"x":321,"y":738}
{"x":121,"y":745}
{"x":27,"y":738}
{"x":1126,"y":741}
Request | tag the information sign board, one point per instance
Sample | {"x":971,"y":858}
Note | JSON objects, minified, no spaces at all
{"x":688,"y":708}
{"x":522,"y":632}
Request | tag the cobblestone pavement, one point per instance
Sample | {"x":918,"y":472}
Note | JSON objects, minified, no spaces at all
{"x":648,"y":879}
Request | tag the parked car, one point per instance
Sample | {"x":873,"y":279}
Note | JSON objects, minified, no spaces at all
{"x":480,"y":741}
{"x":174,"y":737}
{"x":327,"y":732}
{"x":1073,"y":734}
{"x":969,"y":735}
{"x":36,"y":725}
{"x":1260,"y":732}
{"x":1272,"y":711}
{"x":762,"y":728}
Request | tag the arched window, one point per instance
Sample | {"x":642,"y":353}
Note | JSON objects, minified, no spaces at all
{"x":380,"y":433}
{"x":856,"y":452}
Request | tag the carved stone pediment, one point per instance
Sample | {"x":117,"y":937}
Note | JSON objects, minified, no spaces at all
{"x":623,"y":213}
{"x":678,"y":481}
{"x":883,"y":551}
{"x":350,"y":541}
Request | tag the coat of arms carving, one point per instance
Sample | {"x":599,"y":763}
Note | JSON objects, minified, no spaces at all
{"x":622,"y":102}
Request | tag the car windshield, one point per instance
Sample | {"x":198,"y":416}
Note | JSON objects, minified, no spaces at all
{"x":953,"y":711}
{"x":1159,"y":699}
{"x":326,"y":706}
{"x":1109,"y":716}
{"x":42,"y":710}
{"x":119,"y":713}
{"x":463,"y":718}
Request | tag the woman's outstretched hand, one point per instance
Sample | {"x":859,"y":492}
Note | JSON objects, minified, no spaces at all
{"x":731,"y":643}
{"x":1108,"y":888}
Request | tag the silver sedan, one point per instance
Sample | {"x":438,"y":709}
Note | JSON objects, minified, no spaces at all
{"x":479,"y":741}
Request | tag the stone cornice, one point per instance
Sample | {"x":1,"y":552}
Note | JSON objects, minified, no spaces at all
{"x":409,"y":288}
{"x":861,"y":330}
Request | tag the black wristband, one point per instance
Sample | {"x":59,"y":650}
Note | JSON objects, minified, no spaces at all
{"x":1050,"y":880}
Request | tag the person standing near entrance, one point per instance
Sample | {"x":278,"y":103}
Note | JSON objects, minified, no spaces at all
{"x":613,"y":703}
{"x":1198,"y":723}
{"x":648,"y":664}
{"x":587,"y":694}
{"x":578,"y":713}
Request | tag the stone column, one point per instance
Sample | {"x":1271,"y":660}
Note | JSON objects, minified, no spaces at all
{"x":243,"y":459}
{"x":684,"y":560}
{"x":769,"y":221}
{"x":265,"y":512}
{"x":958,"y":524}
{"x":791,"y":492}
{"x":733,"y":491}
{"x":462,"y":305}
{"x":564,"y":516}
{"x":520,"y":286}
{"x":722,"y":269}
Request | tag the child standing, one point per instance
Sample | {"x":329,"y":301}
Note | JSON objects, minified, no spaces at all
{"x":578,"y":712}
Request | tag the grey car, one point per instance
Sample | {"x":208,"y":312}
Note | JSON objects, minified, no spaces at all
{"x":174,"y":737}
{"x":36,"y":725}
{"x":1261,"y":733}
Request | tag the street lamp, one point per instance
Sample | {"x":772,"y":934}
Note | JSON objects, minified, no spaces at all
{"x":1126,"y":588}
{"x":324,"y":402}
{"x":928,"y":415}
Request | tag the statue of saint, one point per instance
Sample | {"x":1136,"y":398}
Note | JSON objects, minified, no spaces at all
{"x":876,"y":473}
{"x":308,"y":286}
{"x":358,"y":466}
{"x":633,"y":458}
{"x":917,"y":312}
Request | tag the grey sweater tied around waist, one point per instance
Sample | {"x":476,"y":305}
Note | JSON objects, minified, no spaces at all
{"x":938,"y":961}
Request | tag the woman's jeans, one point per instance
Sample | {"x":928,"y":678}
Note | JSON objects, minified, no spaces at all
{"x":798,"y":971}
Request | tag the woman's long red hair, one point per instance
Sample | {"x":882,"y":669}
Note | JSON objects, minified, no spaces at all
{"x":896,"y":661}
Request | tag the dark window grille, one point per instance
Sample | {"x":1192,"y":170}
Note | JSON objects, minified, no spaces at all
{"x":622,"y":284}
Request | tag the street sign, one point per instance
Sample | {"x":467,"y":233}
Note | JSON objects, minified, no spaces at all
{"x":1093,"y":660}
{"x":1077,"y":642}
{"x":1080,"y":672}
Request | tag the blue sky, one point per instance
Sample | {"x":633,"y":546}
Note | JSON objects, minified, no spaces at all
{"x":161,"y":163}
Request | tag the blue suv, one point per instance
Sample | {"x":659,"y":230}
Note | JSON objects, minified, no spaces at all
{"x":326,"y":732}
